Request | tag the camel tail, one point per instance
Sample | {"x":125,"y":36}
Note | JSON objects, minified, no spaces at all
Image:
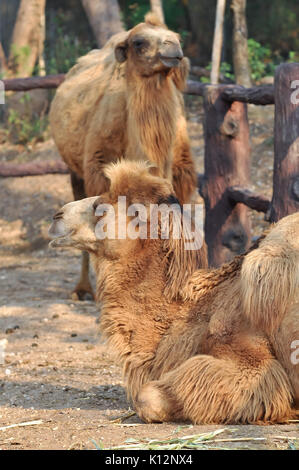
{"x":270,"y":278}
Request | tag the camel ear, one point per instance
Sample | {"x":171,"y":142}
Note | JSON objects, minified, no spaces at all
{"x":121,"y":52}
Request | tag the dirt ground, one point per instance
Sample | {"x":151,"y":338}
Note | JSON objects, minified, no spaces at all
{"x":57,"y":371}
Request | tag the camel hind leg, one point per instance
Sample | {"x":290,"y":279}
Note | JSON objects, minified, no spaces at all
{"x":83,"y":289}
{"x":228,"y":389}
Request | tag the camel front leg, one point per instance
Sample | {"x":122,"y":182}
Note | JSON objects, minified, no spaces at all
{"x":235,"y":388}
{"x":83,"y":288}
{"x":184,"y":176}
{"x":94,"y":183}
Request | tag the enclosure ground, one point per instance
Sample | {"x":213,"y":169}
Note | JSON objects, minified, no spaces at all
{"x":57,"y":370}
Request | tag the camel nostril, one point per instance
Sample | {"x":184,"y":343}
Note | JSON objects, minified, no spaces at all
{"x":58,"y":215}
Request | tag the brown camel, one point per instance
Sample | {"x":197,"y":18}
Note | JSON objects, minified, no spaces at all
{"x":207,"y":345}
{"x":125,"y":101}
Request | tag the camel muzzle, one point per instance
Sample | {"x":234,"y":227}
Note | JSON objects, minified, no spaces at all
{"x":171,"y":54}
{"x":57,"y":230}
{"x":73,"y":224}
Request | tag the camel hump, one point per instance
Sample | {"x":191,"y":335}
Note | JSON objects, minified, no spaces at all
{"x":270,"y":275}
{"x":152,"y":19}
{"x":97,"y":57}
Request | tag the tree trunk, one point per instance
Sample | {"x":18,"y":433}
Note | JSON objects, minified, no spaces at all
{"x":240,"y":47}
{"x":104,"y":18}
{"x":3,"y":63}
{"x":157,"y":8}
{"x":202,"y":21}
{"x":28,"y":37}
{"x":217,"y":43}
{"x":227,"y":164}
{"x":285,"y":199}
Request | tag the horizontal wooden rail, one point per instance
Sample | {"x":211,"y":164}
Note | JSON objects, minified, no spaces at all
{"x":235,"y":193}
{"x":31,"y":83}
{"x":33,"y":168}
{"x":261,"y":95}
{"x":251,"y":199}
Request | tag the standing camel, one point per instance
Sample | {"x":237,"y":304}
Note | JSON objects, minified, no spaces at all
{"x":125,"y":101}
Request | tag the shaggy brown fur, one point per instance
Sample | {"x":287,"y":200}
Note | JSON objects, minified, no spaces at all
{"x":125,"y":101}
{"x":216,"y":347}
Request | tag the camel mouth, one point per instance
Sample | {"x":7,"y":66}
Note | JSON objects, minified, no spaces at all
{"x":55,"y":242}
{"x":170,"y":62}
{"x":59,"y":240}
{"x":58,"y":232}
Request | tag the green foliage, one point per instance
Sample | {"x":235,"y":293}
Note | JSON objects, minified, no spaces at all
{"x":263,"y":61}
{"x":67,"y":48}
{"x":22,"y":53}
{"x":275,"y":23}
{"x":19,"y":56}
{"x":174,"y":12}
{"x":23,"y":130}
{"x":260,"y":60}
{"x":225,"y":69}
{"x":26,"y":127}
{"x":134,"y":12}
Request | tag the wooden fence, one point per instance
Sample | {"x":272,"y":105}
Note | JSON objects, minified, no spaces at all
{"x":225,"y":184}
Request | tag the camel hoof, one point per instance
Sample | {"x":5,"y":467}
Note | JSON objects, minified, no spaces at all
{"x":82,"y":294}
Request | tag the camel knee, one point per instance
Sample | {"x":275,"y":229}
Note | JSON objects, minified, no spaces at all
{"x":83,"y":290}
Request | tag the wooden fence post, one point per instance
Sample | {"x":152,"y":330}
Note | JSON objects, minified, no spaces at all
{"x":286,"y":143}
{"x":227,"y":163}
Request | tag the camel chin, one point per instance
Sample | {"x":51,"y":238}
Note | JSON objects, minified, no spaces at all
{"x":60,"y":236}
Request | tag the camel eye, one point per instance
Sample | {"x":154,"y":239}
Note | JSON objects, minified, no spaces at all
{"x":138,"y":43}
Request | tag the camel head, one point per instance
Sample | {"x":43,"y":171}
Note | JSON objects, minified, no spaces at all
{"x":118,"y":224}
{"x":150,"y":48}
{"x":75,"y":224}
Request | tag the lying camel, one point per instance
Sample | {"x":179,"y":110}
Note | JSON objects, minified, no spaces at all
{"x":207,"y":345}
{"x":125,"y":101}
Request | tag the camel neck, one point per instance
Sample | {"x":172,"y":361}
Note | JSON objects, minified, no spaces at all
{"x":140,"y":273}
{"x":153,"y":107}
{"x":132,"y":300}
